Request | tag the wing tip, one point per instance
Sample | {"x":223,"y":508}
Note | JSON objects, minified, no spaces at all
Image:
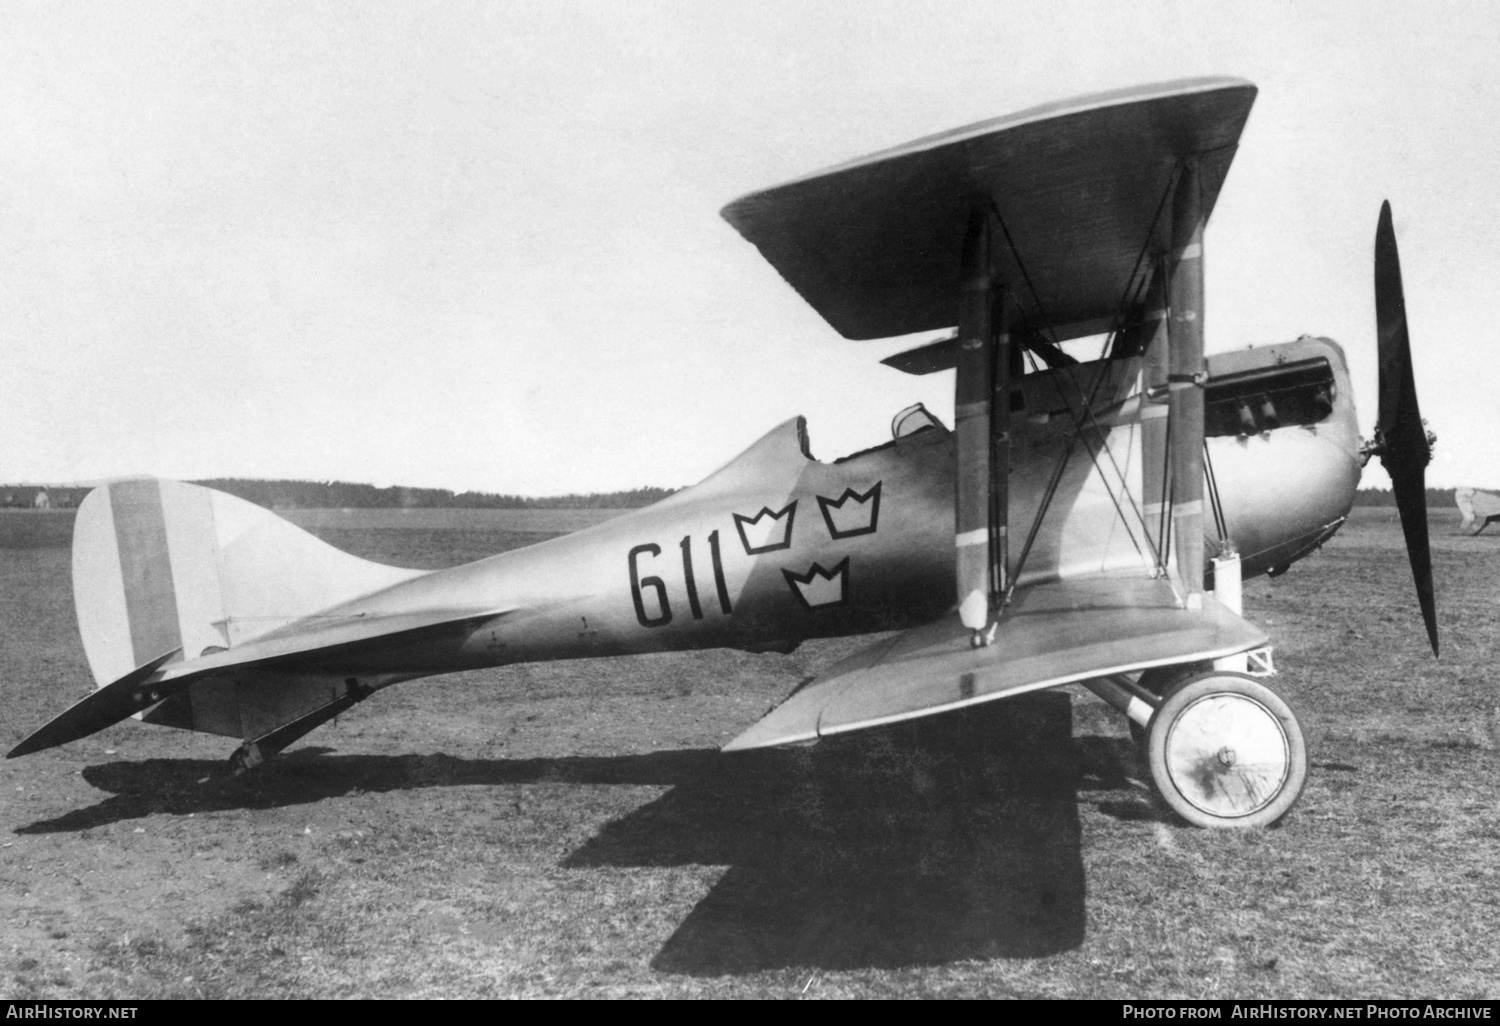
{"x":749,"y":742}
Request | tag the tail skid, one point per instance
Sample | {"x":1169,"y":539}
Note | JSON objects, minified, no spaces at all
{"x":256,"y":750}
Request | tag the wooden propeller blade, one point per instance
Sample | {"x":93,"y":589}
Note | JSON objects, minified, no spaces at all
{"x":1405,"y":453}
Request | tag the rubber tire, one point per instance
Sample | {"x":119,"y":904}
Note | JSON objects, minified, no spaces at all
{"x":1191,"y":779}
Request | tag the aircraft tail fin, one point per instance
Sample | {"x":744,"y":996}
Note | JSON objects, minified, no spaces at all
{"x":161,"y":566}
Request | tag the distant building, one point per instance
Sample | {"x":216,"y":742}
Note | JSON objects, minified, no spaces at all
{"x":42,"y":500}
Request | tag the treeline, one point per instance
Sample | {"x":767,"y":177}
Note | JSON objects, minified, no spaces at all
{"x":1385,"y":497}
{"x":345,"y":495}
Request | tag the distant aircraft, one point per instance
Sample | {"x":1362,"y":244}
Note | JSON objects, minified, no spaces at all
{"x":1060,"y":533}
{"x":1476,"y":505}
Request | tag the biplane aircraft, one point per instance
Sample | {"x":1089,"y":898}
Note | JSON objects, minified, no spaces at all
{"x":1065,"y":530}
{"x":1475,"y":506}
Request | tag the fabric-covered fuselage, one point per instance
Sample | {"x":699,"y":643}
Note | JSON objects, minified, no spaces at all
{"x":777,"y":547}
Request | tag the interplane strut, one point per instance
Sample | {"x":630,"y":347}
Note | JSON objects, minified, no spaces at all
{"x":981,"y":511}
{"x":1186,"y":381}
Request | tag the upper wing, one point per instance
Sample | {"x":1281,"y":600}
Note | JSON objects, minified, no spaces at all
{"x":873,"y":245}
{"x":1051,"y":634}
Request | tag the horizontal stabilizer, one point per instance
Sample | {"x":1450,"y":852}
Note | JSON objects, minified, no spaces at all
{"x":103,"y":708}
{"x":1052,"y":634}
{"x":313,"y":643}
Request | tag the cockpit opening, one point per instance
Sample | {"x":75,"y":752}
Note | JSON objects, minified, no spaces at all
{"x":916,"y":419}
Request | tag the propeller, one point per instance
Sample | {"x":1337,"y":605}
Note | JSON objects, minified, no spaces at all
{"x":1401,"y":439}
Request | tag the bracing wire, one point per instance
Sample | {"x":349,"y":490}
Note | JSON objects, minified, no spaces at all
{"x":1132,"y":285}
{"x":1164,"y":524}
{"x":1213,"y":497}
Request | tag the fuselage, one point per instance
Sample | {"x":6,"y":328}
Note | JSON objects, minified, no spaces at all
{"x":777,"y":547}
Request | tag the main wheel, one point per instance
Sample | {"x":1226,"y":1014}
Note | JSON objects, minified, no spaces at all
{"x":1225,"y":751}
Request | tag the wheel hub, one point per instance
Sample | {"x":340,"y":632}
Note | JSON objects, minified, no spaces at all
{"x":1227,"y":755}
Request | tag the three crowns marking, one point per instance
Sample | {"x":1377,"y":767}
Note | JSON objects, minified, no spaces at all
{"x":819,"y":587}
{"x":766,"y":531}
{"x":852,"y":513}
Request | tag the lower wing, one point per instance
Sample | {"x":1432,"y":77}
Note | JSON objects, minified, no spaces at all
{"x":1051,"y":634}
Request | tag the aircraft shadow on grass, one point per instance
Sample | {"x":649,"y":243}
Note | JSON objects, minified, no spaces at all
{"x":947,"y":838}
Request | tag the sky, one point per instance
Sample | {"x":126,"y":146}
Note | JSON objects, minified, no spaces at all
{"x":477,"y":246}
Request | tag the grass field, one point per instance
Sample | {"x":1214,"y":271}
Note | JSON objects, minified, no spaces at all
{"x":570,"y":829}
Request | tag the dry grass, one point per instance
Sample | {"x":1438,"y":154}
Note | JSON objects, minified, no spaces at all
{"x":570,"y":830}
